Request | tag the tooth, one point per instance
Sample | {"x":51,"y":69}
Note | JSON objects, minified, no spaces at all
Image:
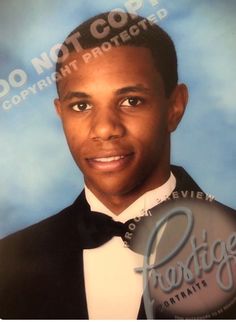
{"x":109,"y":159}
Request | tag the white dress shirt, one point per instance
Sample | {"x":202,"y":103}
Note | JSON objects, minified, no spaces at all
{"x":113,"y":289}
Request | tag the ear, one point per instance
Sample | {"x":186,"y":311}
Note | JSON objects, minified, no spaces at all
{"x":57,"y":105}
{"x":178,"y":102}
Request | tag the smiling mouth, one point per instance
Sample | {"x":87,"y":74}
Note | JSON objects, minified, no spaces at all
{"x":110,"y":163}
{"x":109,"y":159}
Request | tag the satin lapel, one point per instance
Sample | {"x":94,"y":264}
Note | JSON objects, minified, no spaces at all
{"x":78,"y":303}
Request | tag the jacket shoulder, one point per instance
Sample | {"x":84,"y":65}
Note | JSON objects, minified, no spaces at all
{"x":36,"y":266}
{"x":45,"y":236}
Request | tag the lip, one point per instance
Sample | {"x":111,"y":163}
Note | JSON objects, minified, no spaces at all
{"x":108,"y":162}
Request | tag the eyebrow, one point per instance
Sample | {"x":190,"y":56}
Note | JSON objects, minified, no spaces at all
{"x":120,"y":91}
{"x":71,"y":95}
{"x":136,"y":88}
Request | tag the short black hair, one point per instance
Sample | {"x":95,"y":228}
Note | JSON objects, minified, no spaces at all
{"x":153,"y":37}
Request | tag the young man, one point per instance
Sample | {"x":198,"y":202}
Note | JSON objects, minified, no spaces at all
{"x":118,"y":106}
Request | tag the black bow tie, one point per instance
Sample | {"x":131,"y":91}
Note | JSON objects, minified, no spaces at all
{"x":95,"y":228}
{"x":98,"y":228}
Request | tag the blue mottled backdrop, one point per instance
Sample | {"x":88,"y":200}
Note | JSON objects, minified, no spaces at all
{"x":38,"y":176}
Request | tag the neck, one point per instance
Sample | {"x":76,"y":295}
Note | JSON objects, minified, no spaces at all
{"x":117,"y":203}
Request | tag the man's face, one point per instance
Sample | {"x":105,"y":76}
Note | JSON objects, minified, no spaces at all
{"x":116,"y":120}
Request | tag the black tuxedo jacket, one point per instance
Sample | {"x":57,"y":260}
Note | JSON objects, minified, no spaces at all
{"x":41,"y":267}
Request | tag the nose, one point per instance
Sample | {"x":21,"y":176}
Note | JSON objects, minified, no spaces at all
{"x":107,"y":125}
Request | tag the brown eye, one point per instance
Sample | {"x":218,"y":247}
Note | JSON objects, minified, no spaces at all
{"x":81,"y":107}
{"x":132,"y":101}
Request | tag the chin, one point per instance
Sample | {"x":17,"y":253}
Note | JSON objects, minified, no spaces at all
{"x":111,"y":186}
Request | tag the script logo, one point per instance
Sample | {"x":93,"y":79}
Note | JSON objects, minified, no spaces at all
{"x":205,"y":256}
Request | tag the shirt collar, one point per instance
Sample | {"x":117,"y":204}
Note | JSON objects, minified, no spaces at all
{"x":139,"y":207}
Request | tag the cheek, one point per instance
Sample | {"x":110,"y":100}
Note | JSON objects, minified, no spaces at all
{"x":74,"y":134}
{"x":149,"y":131}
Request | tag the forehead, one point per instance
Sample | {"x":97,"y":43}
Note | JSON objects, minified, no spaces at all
{"x":121,"y":56}
{"x":119,"y":65}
